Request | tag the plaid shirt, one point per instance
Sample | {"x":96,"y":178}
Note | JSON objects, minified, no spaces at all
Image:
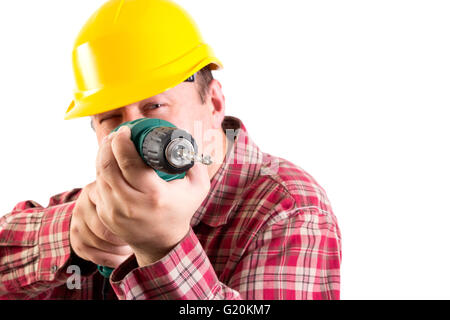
{"x":265,"y":231}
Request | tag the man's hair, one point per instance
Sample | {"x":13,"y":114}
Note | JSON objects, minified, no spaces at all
{"x":204,"y":77}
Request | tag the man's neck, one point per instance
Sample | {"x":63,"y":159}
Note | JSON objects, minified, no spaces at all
{"x":219,"y":157}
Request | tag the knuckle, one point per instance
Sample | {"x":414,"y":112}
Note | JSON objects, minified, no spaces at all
{"x":158,"y":203}
{"x":106,"y":164}
{"x":102,"y":214}
{"x":79,"y":203}
{"x":74,"y":229}
{"x":156,"y":197}
{"x":77,"y":214}
{"x":127,"y":164}
{"x":127,"y":210}
{"x":89,"y":187}
{"x":82,"y":203}
{"x":105,"y":234}
{"x":78,"y":250}
{"x":96,"y":243}
{"x":104,"y":219}
{"x":108,"y":236}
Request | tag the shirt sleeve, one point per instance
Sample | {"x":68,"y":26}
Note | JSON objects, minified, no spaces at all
{"x":35,"y":249}
{"x":295,"y":256}
{"x":184,"y":274}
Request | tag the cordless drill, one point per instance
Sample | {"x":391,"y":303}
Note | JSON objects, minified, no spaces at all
{"x":170,"y":151}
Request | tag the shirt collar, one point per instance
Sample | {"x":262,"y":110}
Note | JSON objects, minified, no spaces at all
{"x":241,"y":165}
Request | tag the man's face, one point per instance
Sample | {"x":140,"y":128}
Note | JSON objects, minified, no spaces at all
{"x":181,"y":105}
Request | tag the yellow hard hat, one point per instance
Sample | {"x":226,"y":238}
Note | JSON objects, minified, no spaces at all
{"x":130,"y":50}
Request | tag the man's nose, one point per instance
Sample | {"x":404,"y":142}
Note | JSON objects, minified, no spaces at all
{"x":131,"y":112}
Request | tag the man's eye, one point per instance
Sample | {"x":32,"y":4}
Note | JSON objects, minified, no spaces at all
{"x":152,"y":106}
{"x":109,"y":117}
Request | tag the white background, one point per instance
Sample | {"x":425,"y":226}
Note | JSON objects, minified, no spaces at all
{"x":354,"y":92}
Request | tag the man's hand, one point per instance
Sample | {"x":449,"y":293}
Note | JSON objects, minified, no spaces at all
{"x":89,"y":238}
{"x":139,"y":207}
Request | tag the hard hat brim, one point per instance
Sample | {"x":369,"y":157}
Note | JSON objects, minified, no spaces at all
{"x":107,"y":99}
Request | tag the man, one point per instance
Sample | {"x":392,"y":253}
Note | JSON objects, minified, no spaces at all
{"x":249,"y":226}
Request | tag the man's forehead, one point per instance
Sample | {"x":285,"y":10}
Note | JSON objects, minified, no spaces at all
{"x":164,"y":95}
{"x":168,"y":96}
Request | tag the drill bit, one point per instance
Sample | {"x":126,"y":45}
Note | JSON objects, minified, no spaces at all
{"x":191,"y":156}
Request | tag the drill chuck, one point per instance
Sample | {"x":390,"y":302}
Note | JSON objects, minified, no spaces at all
{"x":164,"y":149}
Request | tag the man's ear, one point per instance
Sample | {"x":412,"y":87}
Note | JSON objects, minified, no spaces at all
{"x":92,"y":123}
{"x":217,"y":103}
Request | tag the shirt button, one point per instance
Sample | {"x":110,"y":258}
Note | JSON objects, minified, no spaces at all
{"x":54,"y":268}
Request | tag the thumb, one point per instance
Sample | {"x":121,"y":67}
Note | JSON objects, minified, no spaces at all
{"x":133,"y":168}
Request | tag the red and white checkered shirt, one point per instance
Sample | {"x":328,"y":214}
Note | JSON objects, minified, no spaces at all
{"x":265,"y":231}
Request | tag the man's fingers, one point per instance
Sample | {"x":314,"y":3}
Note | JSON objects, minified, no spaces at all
{"x":107,"y":166}
{"x":103,"y":258}
{"x":100,"y":231}
{"x":92,"y":195}
{"x":91,"y":240}
{"x":136,"y":173}
{"x":92,"y":249}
